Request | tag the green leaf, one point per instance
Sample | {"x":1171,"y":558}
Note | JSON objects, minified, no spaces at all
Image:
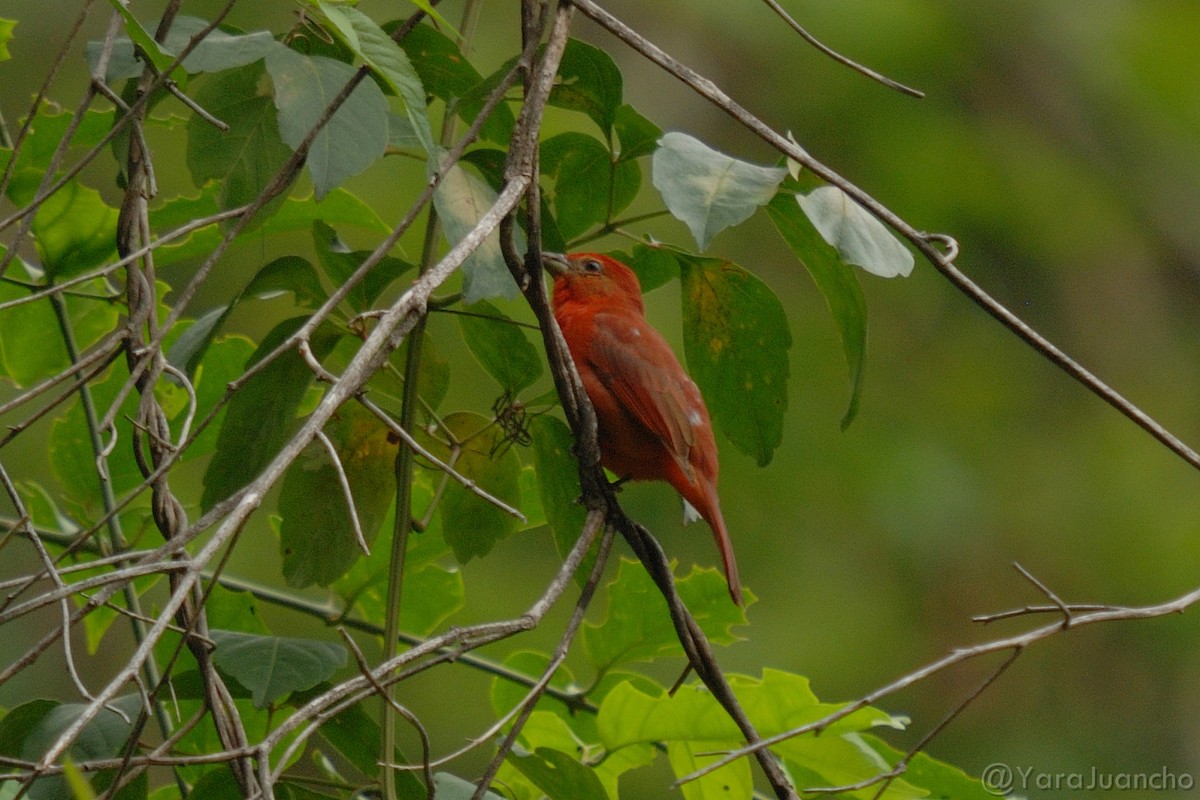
{"x":261,"y":416}
{"x":732,"y":780}
{"x":558,"y":482}
{"x":272,"y":667}
{"x":501,"y":346}
{"x":836,"y":281}
{"x":776,"y":703}
{"x":432,"y":592}
{"x":588,"y":81}
{"x":354,"y":138}
{"x":6,"y":36}
{"x":369,"y":42}
{"x":340,"y":264}
{"x":471,"y":524}
{"x":316,"y":537}
{"x":71,"y":451}
{"x":689,"y":722}
{"x":736,"y":338}
{"x":222,"y":363}
{"x":637,"y":626}
{"x":708,"y":190}
{"x":45,"y":134}
{"x":75,"y":230}
{"x":219,"y":50}
{"x":559,"y":775}
{"x":452,"y":787}
{"x":638,"y":135}
{"x":939,"y":779}
{"x":860,"y":238}
{"x":29,"y":730}
{"x":461,"y":200}
{"x":654,"y":266}
{"x":31,"y":348}
{"x":356,"y":736}
{"x":589,"y":187}
{"x":449,"y":76}
{"x":284,"y":274}
{"x":231,"y":610}
{"x":142,"y":39}
{"x":843,"y":761}
{"x":244,"y":159}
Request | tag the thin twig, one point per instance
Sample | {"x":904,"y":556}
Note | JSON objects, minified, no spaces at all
{"x":838,"y":57}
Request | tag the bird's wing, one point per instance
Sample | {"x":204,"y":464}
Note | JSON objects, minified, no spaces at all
{"x":637,"y":365}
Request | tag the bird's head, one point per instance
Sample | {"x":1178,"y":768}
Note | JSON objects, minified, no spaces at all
{"x":593,"y":279}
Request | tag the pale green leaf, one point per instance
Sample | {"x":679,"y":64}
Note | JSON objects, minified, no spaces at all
{"x":860,"y":238}
{"x":461,"y":200}
{"x":708,"y":190}
{"x":352,"y":139}
{"x":386,"y":58}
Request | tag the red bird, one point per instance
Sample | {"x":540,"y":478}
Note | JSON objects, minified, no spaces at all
{"x":653,"y":423}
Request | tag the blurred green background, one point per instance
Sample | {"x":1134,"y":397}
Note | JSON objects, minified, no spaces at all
{"x":1059,"y":142}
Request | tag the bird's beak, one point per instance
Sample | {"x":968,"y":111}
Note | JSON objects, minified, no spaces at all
{"x":556,"y":263}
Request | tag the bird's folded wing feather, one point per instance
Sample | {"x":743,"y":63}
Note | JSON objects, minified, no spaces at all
{"x":637,"y":365}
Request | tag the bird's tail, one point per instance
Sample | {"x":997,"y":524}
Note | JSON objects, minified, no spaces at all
{"x":711,"y":513}
{"x":717,"y":523}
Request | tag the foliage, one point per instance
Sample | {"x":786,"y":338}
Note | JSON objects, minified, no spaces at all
{"x":239,"y":384}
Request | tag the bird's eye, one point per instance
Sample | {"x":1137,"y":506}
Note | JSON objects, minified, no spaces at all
{"x":592,"y":265}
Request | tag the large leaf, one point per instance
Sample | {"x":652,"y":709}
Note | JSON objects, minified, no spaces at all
{"x":370,"y":43}
{"x":860,"y":238}
{"x":693,"y":720}
{"x":558,"y":482}
{"x":340,"y":264}
{"x":638,"y":136}
{"x":355,"y":735}
{"x":736,"y":338}
{"x":452,"y":787}
{"x":637,"y":626}
{"x":835,"y":280}
{"x":471,"y":524}
{"x":284,"y":274}
{"x":461,"y":199}
{"x":449,"y":76}
{"x":352,"y":139}
{"x":219,"y":50}
{"x":588,"y":81}
{"x":31,"y":348}
{"x":75,"y":230}
{"x":272,"y":667}
{"x":316,"y":537}
{"x":589,"y":188}
{"x":244,"y":159}
{"x":432,"y":592}
{"x":501,"y":346}
{"x":558,"y":774}
{"x":262,"y":415}
{"x":29,"y":730}
{"x":936,"y":777}
{"x":708,"y":190}
{"x":296,"y":213}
